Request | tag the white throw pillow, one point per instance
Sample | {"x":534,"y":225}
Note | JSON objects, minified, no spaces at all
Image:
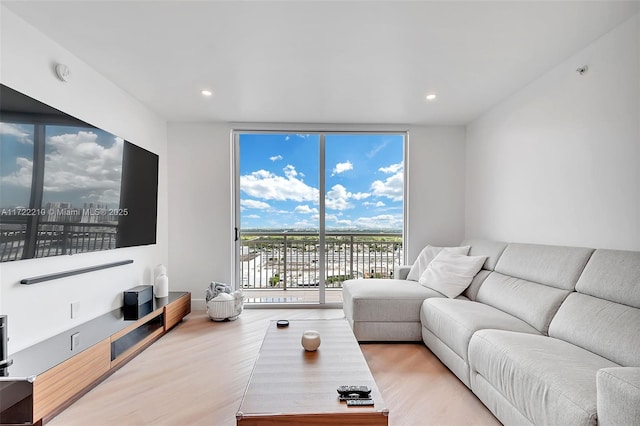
{"x":427,"y":255}
{"x":450,"y":274}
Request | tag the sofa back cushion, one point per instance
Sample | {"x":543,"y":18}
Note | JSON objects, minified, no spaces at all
{"x":533,"y":303}
{"x":531,"y":281}
{"x":609,"y":329}
{"x":604,"y":315}
{"x":491,"y":249}
{"x":554,"y":266}
{"x":612,"y":275}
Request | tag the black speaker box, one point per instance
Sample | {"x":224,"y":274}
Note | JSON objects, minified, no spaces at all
{"x":138,"y":302}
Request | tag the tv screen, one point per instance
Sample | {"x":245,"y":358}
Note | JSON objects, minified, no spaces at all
{"x":69,"y":187}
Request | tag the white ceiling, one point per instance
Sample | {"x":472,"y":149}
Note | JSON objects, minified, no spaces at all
{"x":323,"y":61}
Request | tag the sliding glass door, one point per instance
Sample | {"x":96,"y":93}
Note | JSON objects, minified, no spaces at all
{"x":315,"y":209}
{"x":279,"y":222}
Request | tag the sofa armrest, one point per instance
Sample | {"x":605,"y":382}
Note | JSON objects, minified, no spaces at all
{"x":400,"y":272}
{"x":618,"y":397}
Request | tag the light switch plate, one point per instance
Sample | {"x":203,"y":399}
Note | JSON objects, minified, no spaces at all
{"x":75,"y":309}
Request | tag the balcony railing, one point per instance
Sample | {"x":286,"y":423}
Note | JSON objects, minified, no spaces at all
{"x":290,"y":260}
{"x":55,"y":238}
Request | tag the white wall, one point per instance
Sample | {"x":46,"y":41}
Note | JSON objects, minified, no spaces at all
{"x":42,"y":310}
{"x":200,"y":203}
{"x":559,"y":161}
{"x":436,"y":186}
{"x":200,"y":200}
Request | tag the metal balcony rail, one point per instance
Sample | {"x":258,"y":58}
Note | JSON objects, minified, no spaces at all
{"x":289,"y":260}
{"x":55,"y":238}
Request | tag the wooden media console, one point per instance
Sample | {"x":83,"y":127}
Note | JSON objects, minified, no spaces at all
{"x":47,"y":377}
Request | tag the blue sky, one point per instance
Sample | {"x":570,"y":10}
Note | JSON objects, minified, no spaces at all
{"x":279,"y":181}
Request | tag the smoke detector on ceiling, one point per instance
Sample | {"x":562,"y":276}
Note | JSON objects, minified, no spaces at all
{"x":63,"y":72}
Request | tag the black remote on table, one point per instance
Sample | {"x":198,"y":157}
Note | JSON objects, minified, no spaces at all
{"x":363,"y":391}
{"x":352,"y":396}
{"x":359,"y":402}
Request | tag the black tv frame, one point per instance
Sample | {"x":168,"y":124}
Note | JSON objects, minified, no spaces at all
{"x":137,"y":212}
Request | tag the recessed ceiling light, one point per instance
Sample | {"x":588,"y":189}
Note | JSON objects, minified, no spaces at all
{"x":206,"y":92}
{"x":431,"y":97}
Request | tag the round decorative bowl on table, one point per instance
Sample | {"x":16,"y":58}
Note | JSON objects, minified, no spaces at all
{"x":311,"y":340}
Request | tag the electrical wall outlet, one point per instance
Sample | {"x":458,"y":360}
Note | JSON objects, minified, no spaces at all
{"x":75,"y":309}
{"x":75,"y":341}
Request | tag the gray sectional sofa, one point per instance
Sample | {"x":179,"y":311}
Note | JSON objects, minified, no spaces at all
{"x":543,"y":335}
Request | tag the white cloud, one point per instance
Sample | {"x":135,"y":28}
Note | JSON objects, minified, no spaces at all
{"x":306,"y":209}
{"x":15,"y":130}
{"x":305,"y":224}
{"x":269,"y":186}
{"x":392,"y":187}
{"x":252,"y":216}
{"x":384,"y":221}
{"x":290,"y":171}
{"x":360,"y":195}
{"x":346,"y":223}
{"x":79,"y":162}
{"x":338,"y":198}
{"x":393,"y":168}
{"x":342,"y":167}
{"x":377,"y":149}
{"x":76,"y":162}
{"x":22,"y":177}
{"x":254,"y":204}
{"x":377,"y":204}
{"x":275,"y":158}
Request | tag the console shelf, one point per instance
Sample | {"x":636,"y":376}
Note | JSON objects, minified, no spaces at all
{"x":47,"y":377}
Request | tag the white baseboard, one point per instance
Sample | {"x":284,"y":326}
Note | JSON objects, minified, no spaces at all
{"x":198,"y":305}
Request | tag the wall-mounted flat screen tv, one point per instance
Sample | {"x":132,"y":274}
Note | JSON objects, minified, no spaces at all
{"x":69,"y":187}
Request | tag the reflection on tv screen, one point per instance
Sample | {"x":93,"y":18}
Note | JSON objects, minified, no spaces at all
{"x":68,"y":187}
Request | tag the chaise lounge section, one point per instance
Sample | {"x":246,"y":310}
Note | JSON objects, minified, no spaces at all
{"x":388,"y":310}
{"x":542,"y":335}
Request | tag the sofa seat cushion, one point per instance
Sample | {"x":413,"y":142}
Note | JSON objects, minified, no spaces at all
{"x":454,"y":321}
{"x":618,"y":396}
{"x":548,"y":380}
{"x":382,"y":300}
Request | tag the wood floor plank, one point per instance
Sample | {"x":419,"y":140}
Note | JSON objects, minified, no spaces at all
{"x":197,"y":373}
{"x":420,"y":390}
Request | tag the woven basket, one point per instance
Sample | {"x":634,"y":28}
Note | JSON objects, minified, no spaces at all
{"x":220,"y":310}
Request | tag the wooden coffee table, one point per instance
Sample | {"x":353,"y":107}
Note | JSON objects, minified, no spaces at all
{"x":291,"y":386}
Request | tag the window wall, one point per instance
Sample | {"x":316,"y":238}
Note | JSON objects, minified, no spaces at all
{"x":315,"y":209}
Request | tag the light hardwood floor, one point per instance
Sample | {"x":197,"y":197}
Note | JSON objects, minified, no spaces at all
{"x":197,"y":373}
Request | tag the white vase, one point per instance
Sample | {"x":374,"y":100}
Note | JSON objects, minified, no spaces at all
{"x":159,"y":270}
{"x":310,"y":340}
{"x":161,"y":286}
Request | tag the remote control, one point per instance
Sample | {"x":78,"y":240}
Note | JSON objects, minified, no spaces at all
{"x":359,"y":402}
{"x":360,"y":390}
{"x":352,"y":396}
